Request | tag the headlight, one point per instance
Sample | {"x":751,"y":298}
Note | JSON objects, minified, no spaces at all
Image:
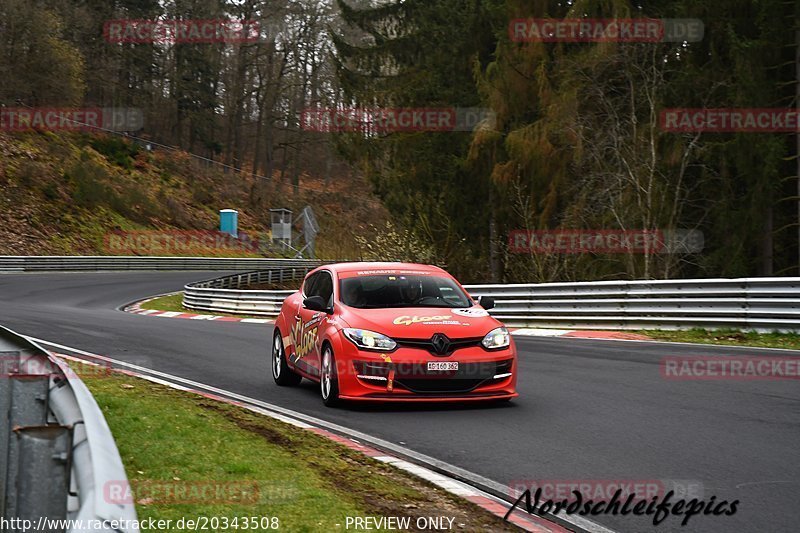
{"x":496,"y":339}
{"x":369,"y":340}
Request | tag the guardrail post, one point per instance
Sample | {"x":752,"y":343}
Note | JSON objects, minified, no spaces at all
{"x":9,"y":362}
{"x":26,"y":407}
{"x":43,"y":457}
{"x":746,"y":303}
{"x":626,"y":302}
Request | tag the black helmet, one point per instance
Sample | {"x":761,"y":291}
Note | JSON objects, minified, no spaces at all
{"x":411,"y":290}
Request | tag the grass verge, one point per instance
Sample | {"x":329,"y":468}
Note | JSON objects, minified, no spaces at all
{"x":174,"y":302}
{"x":729,"y":337}
{"x":177,"y":447}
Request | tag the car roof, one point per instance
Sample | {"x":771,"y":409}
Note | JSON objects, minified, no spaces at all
{"x":342,"y":268}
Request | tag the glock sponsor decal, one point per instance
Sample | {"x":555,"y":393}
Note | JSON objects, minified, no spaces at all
{"x":409,"y":320}
{"x":303,"y":337}
{"x":471,"y":312}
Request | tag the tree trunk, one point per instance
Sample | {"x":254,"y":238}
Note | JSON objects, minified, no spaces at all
{"x":494,"y":256}
{"x":797,"y":153}
{"x":766,"y":242}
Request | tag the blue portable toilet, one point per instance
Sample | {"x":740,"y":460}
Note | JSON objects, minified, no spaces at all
{"x":229,"y":222}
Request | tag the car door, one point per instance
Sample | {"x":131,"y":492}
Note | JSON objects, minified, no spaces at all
{"x":305,"y":336}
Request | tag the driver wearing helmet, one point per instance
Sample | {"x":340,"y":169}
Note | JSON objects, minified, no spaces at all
{"x":354,"y":296}
{"x":411,"y":292}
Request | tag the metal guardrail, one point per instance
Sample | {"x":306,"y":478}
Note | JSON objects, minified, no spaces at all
{"x":58,"y":454}
{"x":760,"y":304}
{"x":223,"y":295}
{"x":124,"y":263}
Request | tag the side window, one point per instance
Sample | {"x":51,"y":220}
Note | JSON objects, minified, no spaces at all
{"x":309,"y":286}
{"x":324,"y":288}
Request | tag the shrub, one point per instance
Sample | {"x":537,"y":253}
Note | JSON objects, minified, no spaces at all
{"x":393,"y":244}
{"x":86,"y":181}
{"x":116,"y":150}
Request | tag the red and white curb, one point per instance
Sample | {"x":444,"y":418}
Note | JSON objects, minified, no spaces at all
{"x":136,"y":309}
{"x":497,"y":507}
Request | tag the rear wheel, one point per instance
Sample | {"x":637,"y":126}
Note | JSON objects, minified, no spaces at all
{"x":329,"y":381}
{"x":281,"y":373}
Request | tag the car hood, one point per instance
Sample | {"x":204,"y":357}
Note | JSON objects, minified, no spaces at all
{"x":422,"y":322}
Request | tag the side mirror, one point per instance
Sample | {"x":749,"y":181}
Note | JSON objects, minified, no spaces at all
{"x":486,"y":302}
{"x":316,"y":303}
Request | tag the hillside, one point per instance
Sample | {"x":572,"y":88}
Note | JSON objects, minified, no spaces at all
{"x":62,"y":193}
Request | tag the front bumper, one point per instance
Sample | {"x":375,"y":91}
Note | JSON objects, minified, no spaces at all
{"x":403,"y":376}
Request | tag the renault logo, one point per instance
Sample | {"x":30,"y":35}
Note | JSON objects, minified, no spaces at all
{"x":441,"y":344}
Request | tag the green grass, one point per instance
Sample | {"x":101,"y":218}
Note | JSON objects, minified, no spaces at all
{"x":730,"y":337}
{"x":171,"y":302}
{"x":310,"y":483}
{"x":174,"y":302}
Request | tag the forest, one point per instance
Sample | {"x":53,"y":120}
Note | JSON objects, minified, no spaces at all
{"x":570,"y":134}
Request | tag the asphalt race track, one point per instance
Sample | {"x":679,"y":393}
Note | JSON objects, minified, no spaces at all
{"x":588,"y":410}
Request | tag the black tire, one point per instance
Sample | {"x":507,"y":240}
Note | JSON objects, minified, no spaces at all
{"x":281,"y":373}
{"x":328,"y":379}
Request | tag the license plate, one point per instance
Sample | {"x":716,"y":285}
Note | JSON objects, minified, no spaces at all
{"x":442,"y":365}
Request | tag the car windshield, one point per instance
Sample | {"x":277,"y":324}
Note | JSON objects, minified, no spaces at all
{"x":373,"y":292}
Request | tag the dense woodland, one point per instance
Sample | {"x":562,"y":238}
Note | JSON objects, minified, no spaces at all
{"x":576,"y":142}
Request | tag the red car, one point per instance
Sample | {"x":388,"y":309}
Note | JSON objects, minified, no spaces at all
{"x":392,"y":332}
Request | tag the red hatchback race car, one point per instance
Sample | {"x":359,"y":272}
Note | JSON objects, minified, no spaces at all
{"x":392,"y":332}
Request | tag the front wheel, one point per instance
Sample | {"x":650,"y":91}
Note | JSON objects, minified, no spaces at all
{"x":329,"y":381}
{"x":281,"y":373}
